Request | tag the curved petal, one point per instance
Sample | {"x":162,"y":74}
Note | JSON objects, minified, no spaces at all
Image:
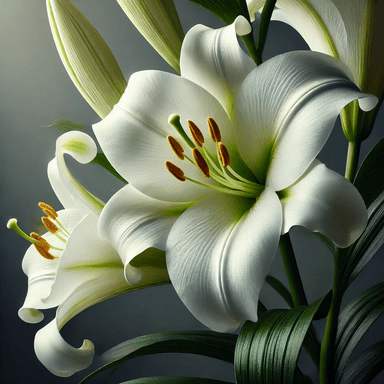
{"x":42,"y":272}
{"x":214,"y":59}
{"x":133,"y":135}
{"x":285,"y":111}
{"x":133,"y":222}
{"x":82,"y":148}
{"x":323,"y":201}
{"x":218,"y":254}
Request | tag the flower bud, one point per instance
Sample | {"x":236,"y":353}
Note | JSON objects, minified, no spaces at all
{"x":158,"y":22}
{"x":86,"y":56}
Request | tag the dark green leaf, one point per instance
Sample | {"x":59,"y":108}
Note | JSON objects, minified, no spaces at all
{"x":217,"y":345}
{"x":354,"y":321}
{"x":174,"y":380}
{"x":102,"y":160}
{"x":226,"y":10}
{"x":366,"y":366}
{"x":267,"y":351}
{"x":279,"y":287}
{"x":66,"y":125}
{"x":370,"y":177}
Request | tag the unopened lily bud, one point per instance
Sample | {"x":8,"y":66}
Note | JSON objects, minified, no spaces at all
{"x":86,"y":56}
{"x":158,"y":22}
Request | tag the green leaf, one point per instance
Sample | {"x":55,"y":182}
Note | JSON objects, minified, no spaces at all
{"x":370,"y":177}
{"x":217,"y":345}
{"x":226,"y":10}
{"x":66,"y":125}
{"x":174,"y":380}
{"x":267,"y":351}
{"x":279,"y":287}
{"x":366,"y":366}
{"x":102,"y":160}
{"x":354,"y":321}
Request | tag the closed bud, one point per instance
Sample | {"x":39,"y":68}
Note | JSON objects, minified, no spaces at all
{"x":86,"y":56}
{"x":158,"y":22}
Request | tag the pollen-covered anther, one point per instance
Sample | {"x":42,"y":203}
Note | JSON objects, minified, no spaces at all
{"x":49,"y":225}
{"x":214,"y":130}
{"x":197,"y":136}
{"x":200,"y":162}
{"x":224,"y":155}
{"x":176,"y":147}
{"x":42,"y":242}
{"x":175,"y":171}
{"x":48,"y":210}
{"x":44,"y":252}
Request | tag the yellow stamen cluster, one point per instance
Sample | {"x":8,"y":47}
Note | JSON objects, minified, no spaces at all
{"x":48,"y":210}
{"x":49,"y":225}
{"x":42,"y":246}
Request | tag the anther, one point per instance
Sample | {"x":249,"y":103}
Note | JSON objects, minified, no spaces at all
{"x":44,"y":252}
{"x":214,"y":130}
{"x":224,"y":155}
{"x":42,"y":242}
{"x":49,"y":225}
{"x":175,"y":171}
{"x":176,"y":147}
{"x":48,"y":210}
{"x":200,"y":162}
{"x":197,"y":136}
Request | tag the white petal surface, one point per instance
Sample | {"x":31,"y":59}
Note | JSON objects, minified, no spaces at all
{"x":42,"y":272}
{"x":218,"y":254}
{"x":214,"y":59}
{"x":82,"y":148}
{"x":133,"y":135}
{"x":285,"y":111}
{"x":133,"y":222}
{"x":324,"y":201}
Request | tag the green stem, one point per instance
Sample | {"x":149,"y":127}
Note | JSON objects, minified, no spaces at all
{"x":249,"y":43}
{"x":292,"y":271}
{"x":352,"y":160}
{"x":327,"y":352}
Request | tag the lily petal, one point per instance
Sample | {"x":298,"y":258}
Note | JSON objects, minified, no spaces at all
{"x":42,"y":272}
{"x":324,"y":201}
{"x":133,"y":222}
{"x":133,"y":135}
{"x":285,"y":111}
{"x":82,"y":148}
{"x":214,"y":59}
{"x":218,"y":258}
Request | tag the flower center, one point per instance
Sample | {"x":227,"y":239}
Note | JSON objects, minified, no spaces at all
{"x":52,"y":224}
{"x":215,"y":166}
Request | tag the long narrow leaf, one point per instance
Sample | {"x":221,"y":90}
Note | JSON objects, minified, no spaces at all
{"x":279,"y":287}
{"x":366,"y":366}
{"x":217,"y":345}
{"x":102,"y":160}
{"x":267,"y":351}
{"x":354,"y":322}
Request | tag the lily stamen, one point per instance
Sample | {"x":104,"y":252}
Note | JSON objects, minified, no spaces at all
{"x":200,"y":162}
{"x":44,"y":252}
{"x":214,"y":130}
{"x":175,"y":171}
{"x":44,"y":243}
{"x":223,"y":154}
{"x":197,"y":136}
{"x":176,"y":147}
{"x":51,"y":227}
{"x":52,"y":214}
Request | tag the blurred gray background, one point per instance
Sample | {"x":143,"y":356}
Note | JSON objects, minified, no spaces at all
{"x":35,"y":91}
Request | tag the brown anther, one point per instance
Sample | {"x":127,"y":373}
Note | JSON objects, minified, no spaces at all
{"x":224,"y":155}
{"x":176,"y":147}
{"x":197,"y":136}
{"x":48,"y":210}
{"x":42,"y":242}
{"x":49,"y":225}
{"x":214,"y":130}
{"x":175,"y":171}
{"x":44,"y":252}
{"x":200,"y":162}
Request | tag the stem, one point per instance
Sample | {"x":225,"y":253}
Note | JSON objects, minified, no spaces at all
{"x":327,"y":352}
{"x":352,"y":160}
{"x":292,"y":271}
{"x":249,"y":43}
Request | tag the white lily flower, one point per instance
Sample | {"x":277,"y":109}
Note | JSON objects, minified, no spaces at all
{"x":158,"y":22}
{"x":71,"y":266}
{"x":252,"y":174}
{"x":349,"y":30}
